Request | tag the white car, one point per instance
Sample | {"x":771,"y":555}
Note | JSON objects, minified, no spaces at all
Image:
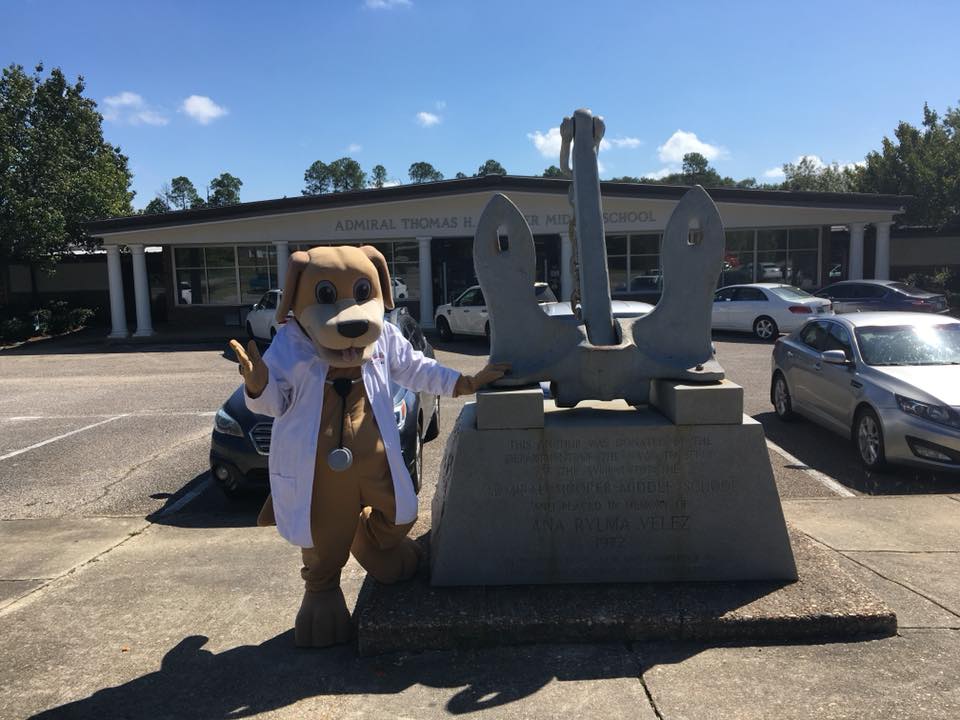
{"x":765,"y":309}
{"x":400,"y":291}
{"x":261,"y":320}
{"x":467,"y":315}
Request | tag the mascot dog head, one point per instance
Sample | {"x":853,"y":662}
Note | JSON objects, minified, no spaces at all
{"x":338,"y":296}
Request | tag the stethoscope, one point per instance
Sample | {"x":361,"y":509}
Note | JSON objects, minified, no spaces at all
{"x":340,"y":458}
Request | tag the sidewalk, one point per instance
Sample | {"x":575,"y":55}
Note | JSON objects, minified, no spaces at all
{"x":116,"y":617}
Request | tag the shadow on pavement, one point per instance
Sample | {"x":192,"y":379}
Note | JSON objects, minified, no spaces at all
{"x":832,"y":455}
{"x":211,"y":508}
{"x":193,"y":683}
{"x":93,"y":340}
{"x":743,"y":338}
{"x":461,"y":345}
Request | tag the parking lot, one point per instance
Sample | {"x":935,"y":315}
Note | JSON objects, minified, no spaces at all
{"x":131,"y":587}
{"x":90,"y":431}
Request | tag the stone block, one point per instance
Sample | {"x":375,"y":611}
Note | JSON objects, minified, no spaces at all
{"x":607,"y":493}
{"x":717,"y":403}
{"x":520,"y":409}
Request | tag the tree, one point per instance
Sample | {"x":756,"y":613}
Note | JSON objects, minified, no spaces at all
{"x":490,"y":167}
{"x":421,"y":172}
{"x":553,"y":172}
{"x":226,"y":190}
{"x":180,"y":194}
{"x":810,"y":175}
{"x":339,"y":176}
{"x":345,"y":174}
{"x":379,"y":176}
{"x":56,"y":171}
{"x":156,"y":206}
{"x":921,"y":162}
{"x":460,"y":176}
{"x":317,"y":179}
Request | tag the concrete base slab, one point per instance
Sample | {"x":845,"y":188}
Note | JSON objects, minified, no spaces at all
{"x":12,"y":589}
{"x":719,"y":403}
{"x":824,"y":604}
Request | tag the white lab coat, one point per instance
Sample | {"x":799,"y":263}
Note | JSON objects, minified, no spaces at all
{"x":294,"y":396}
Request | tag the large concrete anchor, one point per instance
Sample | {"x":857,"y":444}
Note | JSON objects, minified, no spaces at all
{"x":670,"y":342}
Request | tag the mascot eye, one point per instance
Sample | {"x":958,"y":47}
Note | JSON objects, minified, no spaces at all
{"x":362,"y":290}
{"x":326,"y":292}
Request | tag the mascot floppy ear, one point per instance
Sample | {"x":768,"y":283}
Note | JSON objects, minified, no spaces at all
{"x":298,"y":261}
{"x":380,"y":263}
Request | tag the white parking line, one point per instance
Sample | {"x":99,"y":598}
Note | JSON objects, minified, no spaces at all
{"x":59,"y":437}
{"x":186,"y":499}
{"x":145,"y":413}
{"x":825,"y":480}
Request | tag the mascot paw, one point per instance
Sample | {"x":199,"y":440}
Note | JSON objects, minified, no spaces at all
{"x":390,"y":566}
{"x":323,"y":620}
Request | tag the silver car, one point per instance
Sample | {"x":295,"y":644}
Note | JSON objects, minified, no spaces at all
{"x":890,"y":381}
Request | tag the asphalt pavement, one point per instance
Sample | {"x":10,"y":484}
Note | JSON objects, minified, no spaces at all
{"x":130,"y":587}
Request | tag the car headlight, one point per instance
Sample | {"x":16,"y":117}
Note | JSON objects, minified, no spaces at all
{"x":934,"y":413}
{"x":400,"y":413}
{"x":224,"y":423}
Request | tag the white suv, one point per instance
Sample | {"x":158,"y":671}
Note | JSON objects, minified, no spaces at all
{"x":261,"y":320}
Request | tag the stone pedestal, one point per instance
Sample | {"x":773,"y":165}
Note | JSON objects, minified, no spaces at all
{"x":607,"y":493}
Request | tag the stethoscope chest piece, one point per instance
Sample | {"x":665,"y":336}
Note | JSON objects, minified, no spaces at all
{"x":339,"y":459}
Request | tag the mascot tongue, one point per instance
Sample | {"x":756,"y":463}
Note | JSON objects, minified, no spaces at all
{"x":351,"y":354}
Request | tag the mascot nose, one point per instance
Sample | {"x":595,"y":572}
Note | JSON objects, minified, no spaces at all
{"x":353,"y":328}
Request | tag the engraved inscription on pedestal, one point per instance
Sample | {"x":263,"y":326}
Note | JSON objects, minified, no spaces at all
{"x":608,"y":496}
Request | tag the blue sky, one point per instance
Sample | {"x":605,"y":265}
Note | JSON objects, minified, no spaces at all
{"x":261,"y":90}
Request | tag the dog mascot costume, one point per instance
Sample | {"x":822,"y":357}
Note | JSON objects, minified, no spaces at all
{"x":337,"y":477}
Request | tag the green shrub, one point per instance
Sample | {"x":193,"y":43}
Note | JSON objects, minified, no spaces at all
{"x":15,"y":330}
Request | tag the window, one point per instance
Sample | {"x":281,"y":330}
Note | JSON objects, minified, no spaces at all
{"x":838,"y":339}
{"x":814,"y":335}
{"x":257,"y":270}
{"x":737,"y":257}
{"x":269,"y":301}
{"x":471,"y":298}
{"x":725,"y":295}
{"x":207,"y":276}
{"x":633,"y":262}
{"x":748,"y":294}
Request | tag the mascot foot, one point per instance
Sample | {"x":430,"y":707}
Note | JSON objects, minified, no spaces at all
{"x":323,"y":619}
{"x":389,"y":566}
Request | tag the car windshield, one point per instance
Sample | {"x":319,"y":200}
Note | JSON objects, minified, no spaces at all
{"x":910,"y":344}
{"x":788,"y":292}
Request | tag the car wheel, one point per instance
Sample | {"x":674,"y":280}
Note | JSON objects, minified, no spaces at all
{"x":433,"y":429}
{"x":765,"y":328}
{"x":230,"y":485}
{"x":250,"y":331}
{"x":780,"y":394}
{"x":443,"y":327}
{"x":868,"y":437}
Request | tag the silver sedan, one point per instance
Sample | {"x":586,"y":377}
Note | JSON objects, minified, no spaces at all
{"x":890,"y":381}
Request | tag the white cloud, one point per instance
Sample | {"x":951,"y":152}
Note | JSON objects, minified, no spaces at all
{"x":130,"y":108}
{"x":683,"y":142}
{"x":630,"y":143}
{"x":354,"y":147}
{"x":547,"y":143}
{"x":774,"y":172}
{"x":661,"y":173}
{"x":385,"y":4}
{"x":427,"y":119}
{"x":202,"y":109}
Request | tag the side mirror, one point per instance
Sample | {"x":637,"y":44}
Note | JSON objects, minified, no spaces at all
{"x":256,"y":306}
{"x":835,"y":357}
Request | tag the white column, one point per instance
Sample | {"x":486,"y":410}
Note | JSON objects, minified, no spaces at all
{"x":283,"y":257}
{"x":566,"y":274}
{"x":881,"y":268}
{"x":141,"y":291}
{"x":426,"y":283}
{"x":855,"y":270}
{"x":118,"y":309}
